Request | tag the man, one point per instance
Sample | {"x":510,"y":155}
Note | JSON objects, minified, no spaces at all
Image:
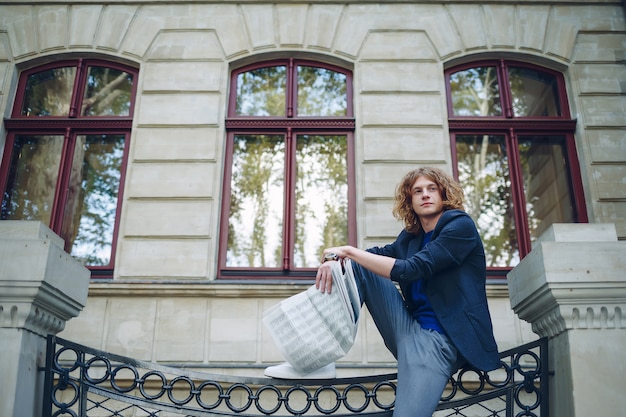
{"x":441,"y":320}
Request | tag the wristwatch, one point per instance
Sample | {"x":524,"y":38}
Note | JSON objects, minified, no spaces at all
{"x":331,"y":257}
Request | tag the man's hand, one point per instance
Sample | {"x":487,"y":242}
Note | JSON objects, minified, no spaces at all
{"x":324,"y":277}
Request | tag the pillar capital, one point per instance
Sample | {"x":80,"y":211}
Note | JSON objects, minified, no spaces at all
{"x":41,"y":286}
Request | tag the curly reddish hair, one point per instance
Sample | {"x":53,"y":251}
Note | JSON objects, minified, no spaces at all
{"x":451,"y":195}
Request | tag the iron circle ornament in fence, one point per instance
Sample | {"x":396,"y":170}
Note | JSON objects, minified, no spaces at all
{"x":462,"y":384}
{"x":508,"y":370}
{"x":257,"y":399}
{"x":121,"y":368}
{"x":179,"y":380}
{"x":65,"y":405}
{"x":75,"y":363}
{"x":93,"y":364}
{"x":349,"y":406}
{"x":288,"y":396}
{"x":379,"y":386}
{"x":220,"y":395}
{"x":337,"y":396}
{"x":142,"y":383}
{"x":229,"y":393}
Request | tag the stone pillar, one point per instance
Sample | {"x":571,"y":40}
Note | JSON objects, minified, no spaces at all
{"x":572,"y":289}
{"x":41,"y":287}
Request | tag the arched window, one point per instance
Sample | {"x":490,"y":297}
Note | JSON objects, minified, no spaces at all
{"x":66,"y":151}
{"x":514,"y":153}
{"x":289,"y":182}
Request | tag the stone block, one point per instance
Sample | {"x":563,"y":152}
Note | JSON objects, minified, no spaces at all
{"x":234,"y":330}
{"x":175,"y":143}
{"x":535,"y":17}
{"x":19,"y":23}
{"x":113,"y":24}
{"x":469,"y":20}
{"x":600,"y":78}
{"x":168,"y":218}
{"x":83,"y":22}
{"x":502,"y":25}
{"x":321,"y":25}
{"x":260,"y":25}
{"x":180,"y":109}
{"x":407,"y":45}
{"x":291,"y":23}
{"x":402,"y":110}
{"x":608,"y":145}
{"x":408,"y":76}
{"x":163,"y":258}
{"x":604,"y":111}
{"x":181,"y":325}
{"x":130,"y":330}
{"x":183,"y":179}
{"x":185,"y":45}
{"x":183,"y":76}
{"x":609,"y":181}
{"x":404,"y":144}
{"x":51,"y":27}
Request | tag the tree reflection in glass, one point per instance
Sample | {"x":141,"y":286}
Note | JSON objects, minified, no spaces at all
{"x":484,"y":173}
{"x":49,"y":93}
{"x":32,"y":179}
{"x":107,"y":92}
{"x":549,"y":198}
{"x":262,"y":92}
{"x":256,"y":201}
{"x":475,"y":92}
{"x":321,"y":92}
{"x":93,"y":190}
{"x":534,"y":93}
{"x":321,"y":197}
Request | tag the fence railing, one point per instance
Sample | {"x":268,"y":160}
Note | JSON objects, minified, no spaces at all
{"x":85,"y":382}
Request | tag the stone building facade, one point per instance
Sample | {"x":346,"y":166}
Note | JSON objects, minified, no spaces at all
{"x":165,"y":301}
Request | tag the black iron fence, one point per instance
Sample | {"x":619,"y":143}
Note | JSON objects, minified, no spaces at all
{"x":85,"y":382}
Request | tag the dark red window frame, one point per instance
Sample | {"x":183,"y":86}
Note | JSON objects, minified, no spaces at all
{"x":70,"y":127}
{"x":290,"y":125}
{"x":511,"y":127}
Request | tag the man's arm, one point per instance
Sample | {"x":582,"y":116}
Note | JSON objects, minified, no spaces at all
{"x":380,"y":265}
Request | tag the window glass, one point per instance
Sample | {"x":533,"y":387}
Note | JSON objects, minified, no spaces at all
{"x":321,"y":92}
{"x":483,"y":170}
{"x":534,"y":93}
{"x":32,"y":178}
{"x":49,"y":93}
{"x":289,"y":144}
{"x":93,"y":190}
{"x":69,"y":174}
{"x":546,"y":182}
{"x":107,"y":92}
{"x":255,"y":221}
{"x":475,"y":92}
{"x":321,"y":197}
{"x":262,"y":92}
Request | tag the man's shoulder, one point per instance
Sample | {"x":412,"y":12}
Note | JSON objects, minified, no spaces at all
{"x":453,"y":214}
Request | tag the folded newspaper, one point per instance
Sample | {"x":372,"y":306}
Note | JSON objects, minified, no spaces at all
{"x":313,"y":329}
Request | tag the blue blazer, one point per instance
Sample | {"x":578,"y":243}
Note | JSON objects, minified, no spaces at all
{"x":453,"y":268}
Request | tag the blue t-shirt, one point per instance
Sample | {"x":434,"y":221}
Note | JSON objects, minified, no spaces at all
{"x":424,"y":313}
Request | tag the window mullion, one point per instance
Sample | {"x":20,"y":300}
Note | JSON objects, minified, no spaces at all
{"x":65,"y":170}
{"x":517,"y":189}
{"x":505,"y":93}
{"x":289,"y":228}
{"x":75,"y":103}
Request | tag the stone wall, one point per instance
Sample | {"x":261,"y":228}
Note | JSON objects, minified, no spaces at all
{"x":162,"y":304}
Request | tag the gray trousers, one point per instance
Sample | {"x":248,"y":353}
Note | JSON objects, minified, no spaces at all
{"x":426,"y":358}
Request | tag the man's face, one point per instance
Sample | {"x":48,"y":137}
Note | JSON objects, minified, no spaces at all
{"x":426,"y":198}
